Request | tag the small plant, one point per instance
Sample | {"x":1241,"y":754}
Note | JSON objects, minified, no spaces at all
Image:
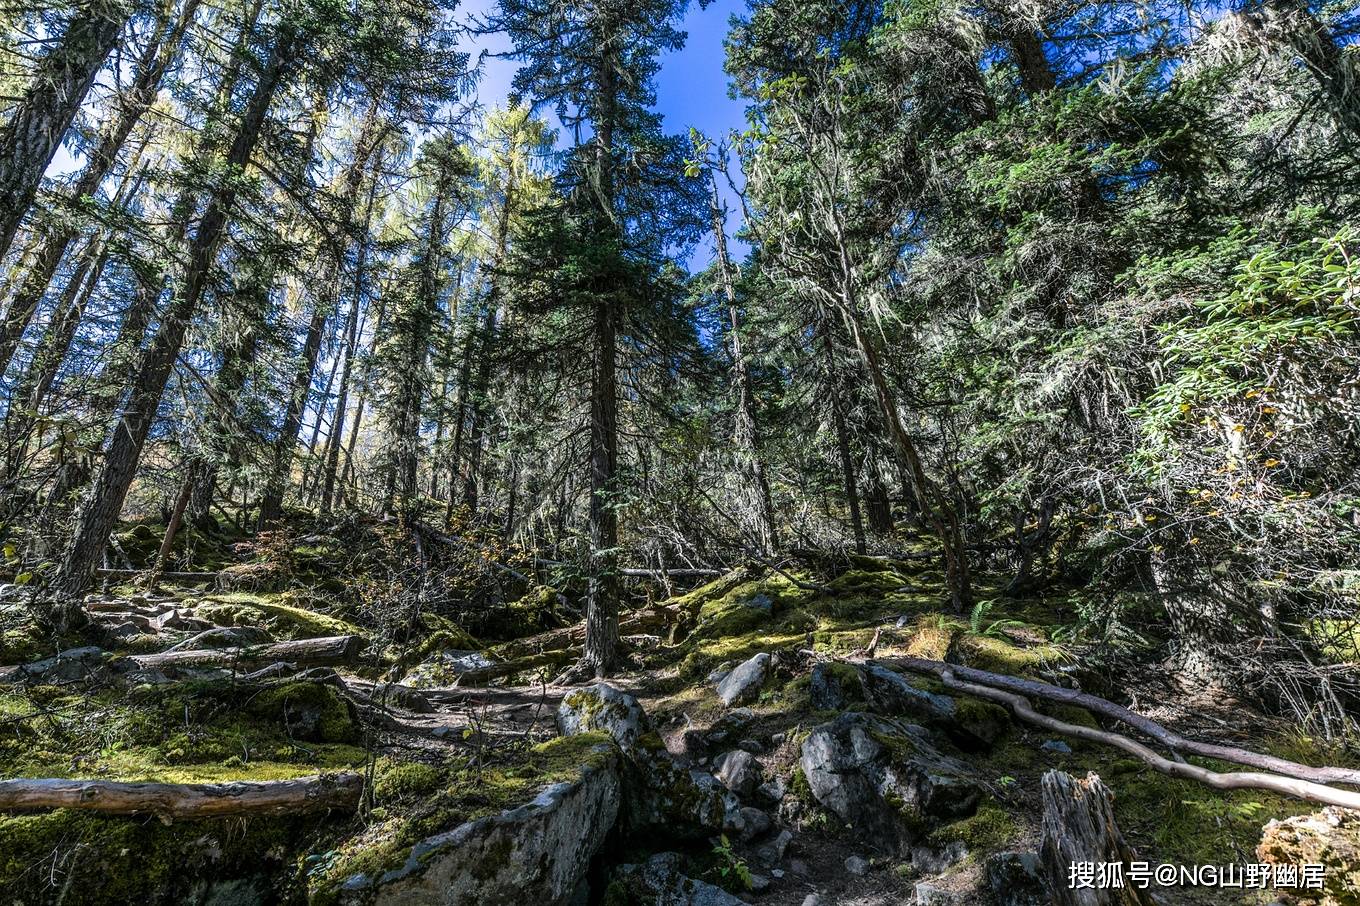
{"x":993,"y":629}
{"x":733,"y":873}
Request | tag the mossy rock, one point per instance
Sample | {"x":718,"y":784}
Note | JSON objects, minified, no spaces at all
{"x":118,"y":860}
{"x":311,"y":712}
{"x":989,"y":829}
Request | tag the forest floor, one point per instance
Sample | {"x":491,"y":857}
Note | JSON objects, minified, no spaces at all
{"x":448,"y":728}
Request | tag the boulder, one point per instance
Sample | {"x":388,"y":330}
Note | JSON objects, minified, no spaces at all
{"x":742,"y":685}
{"x":754,"y":823}
{"x":1330,"y":838}
{"x":834,"y":686}
{"x":739,"y":771}
{"x":969,"y":723}
{"x":772,"y":853}
{"x":1015,"y":879}
{"x":931,"y":860}
{"x":885,"y":779}
{"x":660,"y":881}
{"x":928,"y":894}
{"x":602,"y":707}
{"x":538,"y":852}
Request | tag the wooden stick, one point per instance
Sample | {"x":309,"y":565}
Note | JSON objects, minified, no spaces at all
{"x":186,"y":800}
{"x":1288,"y":786}
{"x":1173,"y":741}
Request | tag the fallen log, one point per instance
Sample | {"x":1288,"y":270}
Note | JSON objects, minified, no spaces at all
{"x":320,"y":652}
{"x":1232,"y":780}
{"x":1079,"y":829}
{"x":1173,"y":741}
{"x":186,"y":800}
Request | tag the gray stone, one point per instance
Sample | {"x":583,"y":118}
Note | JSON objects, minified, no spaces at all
{"x":1057,"y":747}
{"x":538,"y":852}
{"x":720,"y":672}
{"x":602,"y":707}
{"x":759,"y":883}
{"x":739,"y":771}
{"x":755,"y":823}
{"x":928,"y":894}
{"x":772,"y":853}
{"x":889,"y":693}
{"x":1015,"y":879}
{"x":799,"y":868}
{"x":660,"y":881}
{"x":742,"y":685}
{"x":933,"y":861}
{"x":771,"y":791}
{"x":857,"y":866}
{"x":761,"y":602}
{"x":885,"y":779}
{"x":69,"y":666}
{"x":812,"y":900}
{"x":751,"y":745}
{"x":827,"y":687}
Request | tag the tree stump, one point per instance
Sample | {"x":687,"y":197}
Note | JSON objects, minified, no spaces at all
{"x":1079,"y":831}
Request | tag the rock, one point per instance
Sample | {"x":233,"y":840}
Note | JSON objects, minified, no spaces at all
{"x":728,"y":727}
{"x":812,"y":900}
{"x":833,"y":685}
{"x":1015,"y":879}
{"x":602,"y":707}
{"x":889,"y":693}
{"x":1057,"y":747}
{"x":538,"y":852}
{"x":903,"y":621}
{"x":772,"y":853}
{"x":799,"y":868}
{"x":1330,"y":838}
{"x":742,"y":685}
{"x":739,"y":772}
{"x":771,"y":792}
{"x":761,"y":602}
{"x":857,"y":866}
{"x":759,"y":883}
{"x":928,"y":894}
{"x":751,"y":745}
{"x":885,"y":779}
{"x":720,"y":672}
{"x":755,"y":823}
{"x":970,"y":723}
{"x":931,"y":861}
{"x":659,"y":881}
{"x":685,"y":802}
{"x":69,"y":666}
{"x":180,"y":619}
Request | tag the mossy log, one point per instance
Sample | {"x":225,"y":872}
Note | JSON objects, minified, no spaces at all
{"x":1079,"y":829}
{"x":186,"y":800}
{"x":326,"y":651}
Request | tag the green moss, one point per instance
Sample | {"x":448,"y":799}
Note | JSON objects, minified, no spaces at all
{"x":308,"y":710}
{"x":1000,"y":655}
{"x":273,"y":613}
{"x":989,"y":829}
{"x":468,"y":793}
{"x":117,"y":860}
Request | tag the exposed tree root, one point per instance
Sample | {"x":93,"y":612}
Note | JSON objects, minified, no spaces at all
{"x":1173,"y":741}
{"x":1288,"y":786}
{"x":186,"y":800}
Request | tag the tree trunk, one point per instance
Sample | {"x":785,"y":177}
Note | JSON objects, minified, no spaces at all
{"x":35,"y":128}
{"x":234,"y":799}
{"x":842,"y":430}
{"x":105,"y":501}
{"x":747,"y":433}
{"x":1079,"y":829}
{"x":328,"y":651}
{"x":156,"y":58}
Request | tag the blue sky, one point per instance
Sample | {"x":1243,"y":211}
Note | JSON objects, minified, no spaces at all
{"x":691,"y":87}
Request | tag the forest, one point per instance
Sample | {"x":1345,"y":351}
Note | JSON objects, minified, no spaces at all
{"x":444,"y":461}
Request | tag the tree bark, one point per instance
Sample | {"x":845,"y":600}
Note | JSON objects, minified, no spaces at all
{"x":187,"y":800}
{"x":155,"y":60}
{"x":30,"y":137}
{"x":842,"y":431}
{"x":327,"y":651}
{"x":1079,"y":828}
